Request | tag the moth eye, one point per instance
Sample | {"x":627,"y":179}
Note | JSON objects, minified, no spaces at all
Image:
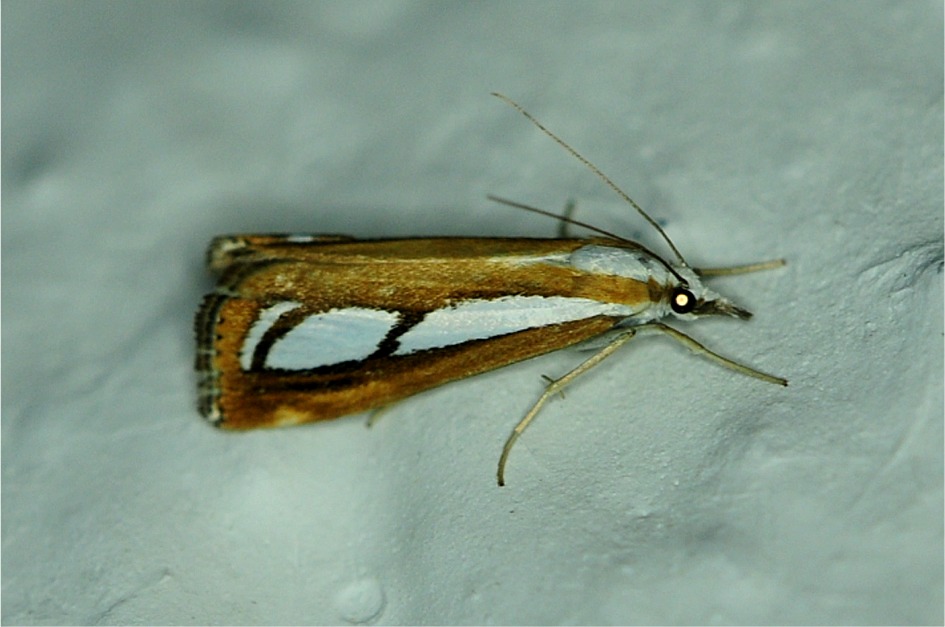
{"x":682,"y":301}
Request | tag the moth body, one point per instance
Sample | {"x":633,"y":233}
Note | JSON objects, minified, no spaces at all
{"x":307,"y":327}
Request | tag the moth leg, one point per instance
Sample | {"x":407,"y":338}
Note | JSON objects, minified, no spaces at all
{"x":747,"y":268}
{"x":555,"y":387}
{"x":549,"y":381}
{"x":375,"y":415}
{"x":564,"y":225}
{"x":699,"y":349}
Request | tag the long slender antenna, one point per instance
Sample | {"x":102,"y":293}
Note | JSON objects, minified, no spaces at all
{"x":593,"y":168}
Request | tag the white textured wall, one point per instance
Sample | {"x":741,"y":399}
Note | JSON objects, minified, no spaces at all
{"x":663,"y":489}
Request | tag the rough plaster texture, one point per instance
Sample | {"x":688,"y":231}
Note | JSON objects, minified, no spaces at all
{"x":663,"y":489}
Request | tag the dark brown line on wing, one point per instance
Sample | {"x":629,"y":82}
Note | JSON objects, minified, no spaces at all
{"x":338,"y":376}
{"x":205,"y":323}
{"x":286,"y":322}
{"x":391,"y":341}
{"x":349,"y":373}
{"x":291,"y":319}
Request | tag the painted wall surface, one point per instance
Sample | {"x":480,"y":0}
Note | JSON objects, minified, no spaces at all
{"x":662,"y":489}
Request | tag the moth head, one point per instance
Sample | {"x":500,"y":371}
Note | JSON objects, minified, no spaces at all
{"x":692,"y":299}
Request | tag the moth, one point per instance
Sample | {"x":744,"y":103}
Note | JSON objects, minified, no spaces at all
{"x":303,"y":328}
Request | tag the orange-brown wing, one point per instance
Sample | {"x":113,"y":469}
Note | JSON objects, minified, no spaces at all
{"x":303,"y":330}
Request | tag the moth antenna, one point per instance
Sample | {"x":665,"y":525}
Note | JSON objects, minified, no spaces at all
{"x":593,"y":168}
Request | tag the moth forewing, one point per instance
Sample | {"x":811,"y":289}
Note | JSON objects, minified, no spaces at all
{"x":301,"y":333}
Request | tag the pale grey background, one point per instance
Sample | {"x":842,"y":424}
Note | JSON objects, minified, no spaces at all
{"x":662,"y":489}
